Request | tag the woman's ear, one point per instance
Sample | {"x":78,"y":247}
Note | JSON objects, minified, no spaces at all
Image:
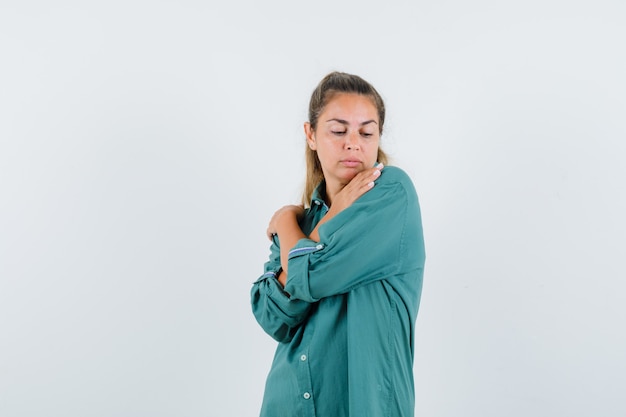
{"x":310,"y":136}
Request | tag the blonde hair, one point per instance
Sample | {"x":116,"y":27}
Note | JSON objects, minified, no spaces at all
{"x":333,"y":83}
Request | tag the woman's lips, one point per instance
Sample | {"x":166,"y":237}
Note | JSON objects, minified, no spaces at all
{"x":350,"y":163}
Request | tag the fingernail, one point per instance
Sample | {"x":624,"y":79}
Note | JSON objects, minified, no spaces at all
{"x":376,"y":173}
{"x":380,"y":165}
{"x":370,"y":184}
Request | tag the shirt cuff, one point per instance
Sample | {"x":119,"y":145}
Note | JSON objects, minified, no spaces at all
{"x":298,"y":277}
{"x":304,"y":247}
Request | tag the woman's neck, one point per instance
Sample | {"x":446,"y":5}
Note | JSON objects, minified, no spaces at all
{"x":331,"y":190}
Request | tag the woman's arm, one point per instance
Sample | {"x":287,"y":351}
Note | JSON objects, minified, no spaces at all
{"x":279,"y":316}
{"x":375,"y":238}
{"x":285,"y":222}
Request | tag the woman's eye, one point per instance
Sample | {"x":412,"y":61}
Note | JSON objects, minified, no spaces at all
{"x":338,"y":132}
{"x":367,"y":135}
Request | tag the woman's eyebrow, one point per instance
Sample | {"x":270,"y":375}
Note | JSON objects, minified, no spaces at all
{"x":345,"y":122}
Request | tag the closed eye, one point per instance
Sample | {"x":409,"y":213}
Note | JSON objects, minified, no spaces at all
{"x":338,"y":132}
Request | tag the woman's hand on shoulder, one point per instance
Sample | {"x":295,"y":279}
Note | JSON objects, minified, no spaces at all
{"x":285,"y":216}
{"x":359,"y":185}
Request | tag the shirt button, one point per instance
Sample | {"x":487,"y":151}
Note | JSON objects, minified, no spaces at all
{"x":320,"y":246}
{"x":306,"y":395}
{"x":303,"y":358}
{"x":317,"y":202}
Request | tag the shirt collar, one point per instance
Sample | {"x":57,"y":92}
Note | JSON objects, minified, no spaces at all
{"x":317,"y":198}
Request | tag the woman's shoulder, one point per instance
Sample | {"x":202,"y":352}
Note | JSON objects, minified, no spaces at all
{"x":393,"y":174}
{"x":395,"y":178}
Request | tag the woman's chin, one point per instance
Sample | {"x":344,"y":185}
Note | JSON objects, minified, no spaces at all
{"x":350,"y":174}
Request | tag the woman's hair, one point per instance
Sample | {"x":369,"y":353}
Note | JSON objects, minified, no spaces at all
{"x":334,"y":83}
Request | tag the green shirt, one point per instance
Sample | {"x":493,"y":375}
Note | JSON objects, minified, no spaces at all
{"x":345,"y":320}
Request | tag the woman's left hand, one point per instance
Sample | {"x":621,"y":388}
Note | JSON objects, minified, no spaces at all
{"x":283,"y":216}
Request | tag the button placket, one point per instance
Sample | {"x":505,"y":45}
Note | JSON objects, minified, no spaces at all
{"x":306,"y":387}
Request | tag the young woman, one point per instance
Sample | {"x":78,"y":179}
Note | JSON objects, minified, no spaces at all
{"x":341,"y":289}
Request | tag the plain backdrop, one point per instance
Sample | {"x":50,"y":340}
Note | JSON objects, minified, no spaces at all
{"x":145,"y":145}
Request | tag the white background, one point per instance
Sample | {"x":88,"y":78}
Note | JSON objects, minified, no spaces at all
{"x":145,"y":145}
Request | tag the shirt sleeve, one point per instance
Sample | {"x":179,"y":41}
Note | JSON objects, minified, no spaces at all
{"x":377,"y":237}
{"x":279,"y":316}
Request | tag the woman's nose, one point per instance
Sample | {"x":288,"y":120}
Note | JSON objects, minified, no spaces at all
{"x":352,"y":142}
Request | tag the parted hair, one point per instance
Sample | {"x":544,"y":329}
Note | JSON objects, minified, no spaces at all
{"x":331,"y":84}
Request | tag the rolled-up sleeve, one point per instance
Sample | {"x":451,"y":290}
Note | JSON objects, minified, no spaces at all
{"x":377,"y":237}
{"x":277,"y":314}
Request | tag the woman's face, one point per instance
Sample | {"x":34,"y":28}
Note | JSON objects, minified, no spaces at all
{"x":347,"y":137}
